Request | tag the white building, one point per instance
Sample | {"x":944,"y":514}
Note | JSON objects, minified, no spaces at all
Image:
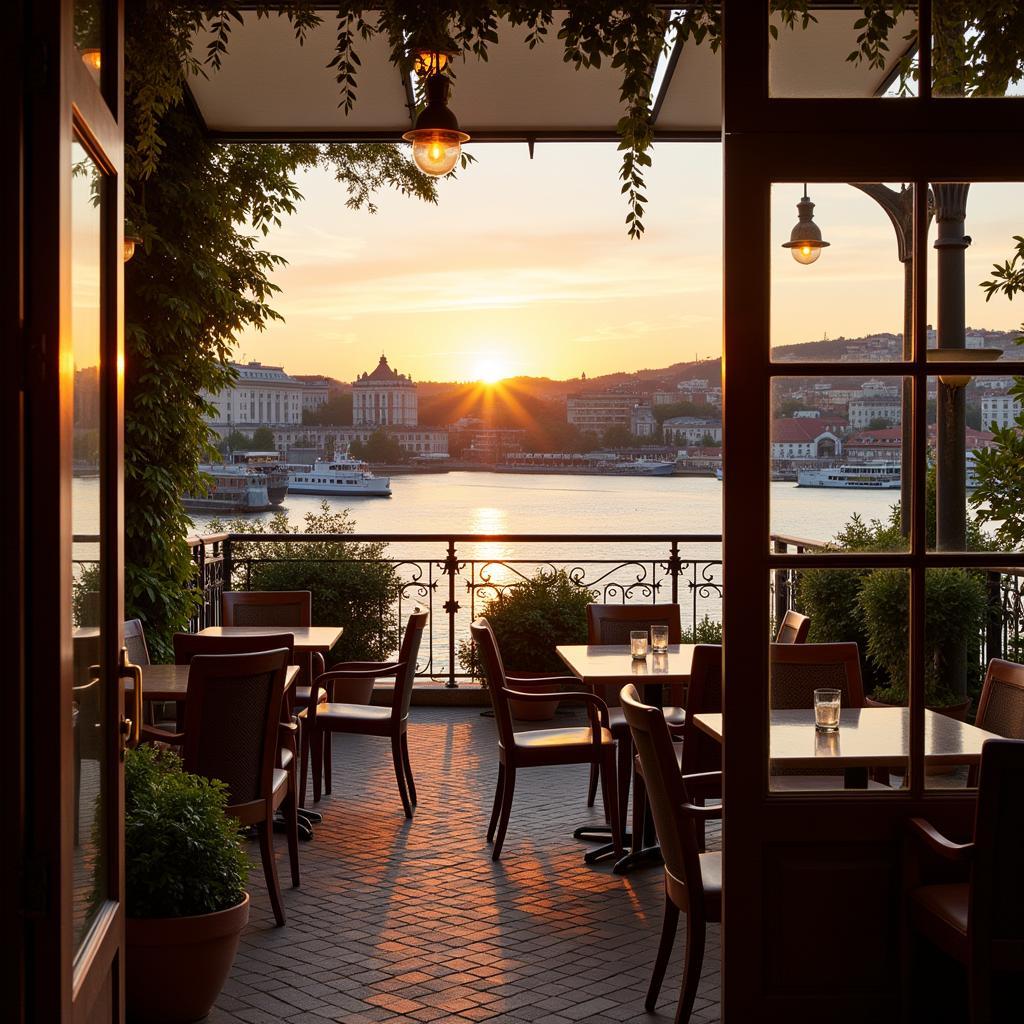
{"x":1001,"y":410}
{"x":863,"y":411}
{"x":316,"y":391}
{"x":384,"y":398}
{"x":598,"y":412}
{"x":803,"y":439}
{"x":642,"y":422}
{"x":691,"y":430}
{"x":330,"y":440}
{"x":262,"y":396}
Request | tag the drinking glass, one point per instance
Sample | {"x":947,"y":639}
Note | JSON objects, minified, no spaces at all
{"x":659,"y":663}
{"x":659,"y":639}
{"x":826,"y":709}
{"x":638,"y":643}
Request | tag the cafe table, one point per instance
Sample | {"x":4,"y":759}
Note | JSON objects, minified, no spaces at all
{"x":611,"y":665}
{"x":866,"y":738}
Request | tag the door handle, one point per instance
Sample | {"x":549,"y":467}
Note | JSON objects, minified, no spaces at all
{"x":131,"y":728}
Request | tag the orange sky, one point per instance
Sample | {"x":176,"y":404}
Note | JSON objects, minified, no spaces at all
{"x":525,"y":267}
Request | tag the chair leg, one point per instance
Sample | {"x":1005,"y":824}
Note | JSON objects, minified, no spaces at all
{"x":499,"y":789}
{"x":639,"y":813}
{"x":623,"y":771}
{"x":507,"y":792}
{"x":403,"y":792}
{"x":609,"y":785}
{"x":266,"y":834}
{"x":327,"y":762}
{"x":669,"y":923}
{"x":408,"y":768}
{"x":303,"y":759}
{"x":594,"y":779}
{"x":291,"y":818}
{"x":316,"y":743}
{"x":693,"y":961}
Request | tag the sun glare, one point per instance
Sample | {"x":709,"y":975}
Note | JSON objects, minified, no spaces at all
{"x":490,"y":371}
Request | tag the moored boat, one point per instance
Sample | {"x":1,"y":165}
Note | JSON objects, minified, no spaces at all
{"x":347,"y":477}
{"x":232,"y":489}
{"x":875,"y":476}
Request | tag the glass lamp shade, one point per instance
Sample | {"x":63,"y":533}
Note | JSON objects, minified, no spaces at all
{"x":92,"y":58}
{"x":806,"y":252}
{"x":435,"y":150}
{"x":805,"y":241}
{"x":130,"y":241}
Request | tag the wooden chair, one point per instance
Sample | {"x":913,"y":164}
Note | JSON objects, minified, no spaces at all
{"x":189,"y":645}
{"x":793,"y":628}
{"x":367,"y":720}
{"x":542,"y":747}
{"x":693,"y":880}
{"x":232,"y":724}
{"x":978,"y":918}
{"x":612,"y":624}
{"x":138,"y":654}
{"x":797,"y":670}
{"x":1001,"y":705}
{"x":282,"y":608}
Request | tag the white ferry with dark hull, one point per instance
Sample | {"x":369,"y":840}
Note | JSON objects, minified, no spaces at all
{"x":348,"y":478}
{"x":873,"y":476}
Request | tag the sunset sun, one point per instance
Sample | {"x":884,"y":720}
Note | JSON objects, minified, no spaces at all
{"x":490,"y":370}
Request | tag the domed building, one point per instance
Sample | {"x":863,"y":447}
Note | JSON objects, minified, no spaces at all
{"x":384,"y":398}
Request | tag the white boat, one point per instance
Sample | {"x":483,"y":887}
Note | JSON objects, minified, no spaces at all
{"x":348,"y":477}
{"x":643,"y":467}
{"x":874,"y":476}
{"x":232,"y":489}
{"x":270,"y":465}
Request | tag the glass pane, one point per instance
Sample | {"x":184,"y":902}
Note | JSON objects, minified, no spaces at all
{"x":88,"y":30}
{"x":838,"y":700}
{"x":832,"y":245}
{"x":88,"y":707}
{"x":837,"y":463}
{"x":976,"y":50}
{"x":829,"y":55}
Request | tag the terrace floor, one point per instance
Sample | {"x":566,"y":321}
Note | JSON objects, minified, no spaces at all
{"x":411,"y":921}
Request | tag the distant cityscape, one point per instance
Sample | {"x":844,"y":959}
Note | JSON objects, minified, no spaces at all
{"x":673,"y":414}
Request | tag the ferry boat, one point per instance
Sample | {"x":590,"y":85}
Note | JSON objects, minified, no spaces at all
{"x":270,"y":465}
{"x":233,"y":489}
{"x":348,"y":477}
{"x":875,"y":476}
{"x":643,"y":467}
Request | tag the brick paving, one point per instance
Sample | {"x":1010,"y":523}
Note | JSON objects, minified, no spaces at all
{"x":411,"y":921}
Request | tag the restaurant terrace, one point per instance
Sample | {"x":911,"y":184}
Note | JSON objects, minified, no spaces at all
{"x":718,"y":798}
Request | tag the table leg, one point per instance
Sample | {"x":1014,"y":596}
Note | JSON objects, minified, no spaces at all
{"x":855,"y":778}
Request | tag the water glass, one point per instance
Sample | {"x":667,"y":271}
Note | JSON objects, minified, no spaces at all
{"x":659,"y":639}
{"x":659,"y":663}
{"x":638,"y":643}
{"x":826,"y":709}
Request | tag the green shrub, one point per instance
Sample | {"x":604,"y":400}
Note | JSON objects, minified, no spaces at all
{"x":707,"y":631}
{"x":955,"y":603}
{"x":352,"y":585}
{"x":530,"y":619}
{"x":182,"y":852}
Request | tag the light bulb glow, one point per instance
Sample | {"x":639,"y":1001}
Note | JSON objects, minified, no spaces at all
{"x":806,"y":253}
{"x":436,"y":151}
{"x":92,"y":59}
{"x":130,"y":242}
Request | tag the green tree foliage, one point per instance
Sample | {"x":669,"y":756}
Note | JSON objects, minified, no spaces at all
{"x":696,"y":409}
{"x":618,"y":436}
{"x":530,"y":619}
{"x":353,"y":585}
{"x":380,"y":448}
{"x":182,"y":851}
{"x":199,"y":278}
{"x":880,"y":423}
{"x":262,"y":440}
{"x":335,"y":412}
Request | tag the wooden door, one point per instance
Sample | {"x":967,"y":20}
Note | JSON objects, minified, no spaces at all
{"x":71,"y":491}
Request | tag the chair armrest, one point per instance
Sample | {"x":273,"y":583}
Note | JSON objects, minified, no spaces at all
{"x":596,"y":708}
{"x":319,"y":665}
{"x":151,"y":734}
{"x":935,"y":842}
{"x":540,"y":680}
{"x":704,"y":782}
{"x":700,"y":812}
{"x":362,"y":670}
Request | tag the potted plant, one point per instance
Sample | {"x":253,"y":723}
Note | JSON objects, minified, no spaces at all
{"x":530,"y":619}
{"x":955,"y":604}
{"x":185,"y":876}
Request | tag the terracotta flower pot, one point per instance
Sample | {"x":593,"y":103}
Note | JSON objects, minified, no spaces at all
{"x":175,"y":967}
{"x":534,"y":710}
{"x":353,"y":691}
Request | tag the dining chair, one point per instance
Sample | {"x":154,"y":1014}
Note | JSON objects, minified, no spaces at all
{"x":593,"y":744}
{"x":977,"y":918}
{"x":232,"y":724}
{"x":138,"y":654}
{"x":189,"y":645}
{"x":612,"y":624}
{"x":693,"y":879}
{"x":796,"y":671}
{"x":1001,"y":704}
{"x":793,"y":628}
{"x":369,"y":720}
{"x":282,"y":608}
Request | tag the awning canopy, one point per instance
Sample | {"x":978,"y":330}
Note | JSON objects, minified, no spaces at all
{"x":269,"y":87}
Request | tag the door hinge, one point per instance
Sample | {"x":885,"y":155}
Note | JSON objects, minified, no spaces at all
{"x":35,"y":889}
